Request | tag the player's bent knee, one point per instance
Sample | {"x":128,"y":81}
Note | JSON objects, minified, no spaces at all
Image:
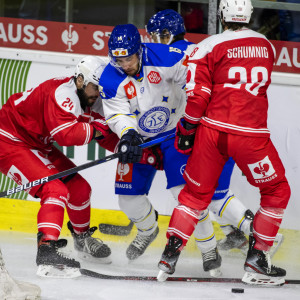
{"x":192,"y":199}
{"x":54,"y":189}
{"x":80,"y":190}
{"x":134,"y":205}
{"x":277,"y":195}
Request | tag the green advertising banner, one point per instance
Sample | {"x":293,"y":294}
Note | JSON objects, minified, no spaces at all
{"x":13,"y":77}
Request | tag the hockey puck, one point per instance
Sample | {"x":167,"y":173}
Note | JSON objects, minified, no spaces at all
{"x":240,"y":291}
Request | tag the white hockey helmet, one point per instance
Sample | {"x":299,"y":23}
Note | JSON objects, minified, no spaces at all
{"x":90,"y":68}
{"x":238,"y":11}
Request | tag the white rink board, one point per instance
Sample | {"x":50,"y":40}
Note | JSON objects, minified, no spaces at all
{"x":283,"y":123}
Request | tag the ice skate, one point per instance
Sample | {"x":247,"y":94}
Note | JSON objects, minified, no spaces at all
{"x":212,"y":262}
{"x":139,"y":245}
{"x":259,"y":270}
{"x":169,"y":258}
{"x":90,"y":248}
{"x":52,"y":263}
{"x":234,"y":240}
{"x":11,"y":289}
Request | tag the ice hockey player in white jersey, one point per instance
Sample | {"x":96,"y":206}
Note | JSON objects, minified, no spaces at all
{"x":143,"y":98}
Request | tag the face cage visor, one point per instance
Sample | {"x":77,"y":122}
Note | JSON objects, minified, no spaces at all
{"x":114,"y":63}
{"x":163,"y":35}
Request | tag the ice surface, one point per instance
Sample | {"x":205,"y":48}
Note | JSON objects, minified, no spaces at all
{"x":19,"y":251}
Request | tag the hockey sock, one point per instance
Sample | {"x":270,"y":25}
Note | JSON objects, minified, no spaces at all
{"x":78,"y":206}
{"x":139,"y":210}
{"x":183,"y":222}
{"x":230,"y":211}
{"x":50,"y":218}
{"x":265,"y":226}
{"x":204,"y":233}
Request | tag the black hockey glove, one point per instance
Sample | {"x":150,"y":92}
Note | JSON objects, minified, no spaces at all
{"x":129,"y":149}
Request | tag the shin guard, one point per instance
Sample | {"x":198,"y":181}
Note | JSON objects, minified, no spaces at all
{"x":183,"y":222}
{"x":265,"y":226}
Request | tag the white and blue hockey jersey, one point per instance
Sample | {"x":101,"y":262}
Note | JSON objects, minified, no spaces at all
{"x":150,"y":102}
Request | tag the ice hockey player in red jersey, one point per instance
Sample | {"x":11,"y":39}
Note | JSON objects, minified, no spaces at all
{"x":226,"y":116}
{"x":68,"y":111}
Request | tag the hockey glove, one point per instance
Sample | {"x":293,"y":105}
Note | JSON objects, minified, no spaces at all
{"x":185,"y":136}
{"x":129,"y":149}
{"x":101,"y":126}
{"x":153,"y":156}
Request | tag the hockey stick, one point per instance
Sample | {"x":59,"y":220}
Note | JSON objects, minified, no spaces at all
{"x":76,"y":169}
{"x":93,"y":274}
{"x":115,"y":229}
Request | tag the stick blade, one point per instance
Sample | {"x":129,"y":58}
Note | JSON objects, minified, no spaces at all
{"x":118,"y":230}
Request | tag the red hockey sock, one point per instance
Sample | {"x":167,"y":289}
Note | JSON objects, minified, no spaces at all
{"x":50,"y":218}
{"x":183,"y":222}
{"x":265,"y":226}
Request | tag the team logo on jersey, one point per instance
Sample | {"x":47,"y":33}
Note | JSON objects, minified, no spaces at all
{"x":124,"y":172}
{"x":182,"y":168}
{"x":262,"y":171}
{"x":130,"y":90}
{"x":16,"y":175}
{"x":155,"y":119}
{"x":194,"y":51}
{"x":43,"y":158}
{"x":154,"y":77}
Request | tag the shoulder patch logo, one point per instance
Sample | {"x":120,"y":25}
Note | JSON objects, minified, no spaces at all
{"x":154,"y":77}
{"x":130,"y":90}
{"x":194,"y":51}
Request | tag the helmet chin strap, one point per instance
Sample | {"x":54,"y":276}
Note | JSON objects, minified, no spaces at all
{"x":170,"y":39}
{"x":140,"y":60}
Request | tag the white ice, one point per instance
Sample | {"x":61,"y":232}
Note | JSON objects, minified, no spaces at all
{"x":19,"y":251}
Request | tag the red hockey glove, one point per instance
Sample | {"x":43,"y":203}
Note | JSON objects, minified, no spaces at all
{"x":185,"y":136}
{"x":154,"y":157}
{"x":101,"y":126}
{"x":109,"y":142}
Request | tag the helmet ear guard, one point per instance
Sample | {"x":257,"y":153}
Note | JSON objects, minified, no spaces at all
{"x":236,"y":11}
{"x":90,"y":68}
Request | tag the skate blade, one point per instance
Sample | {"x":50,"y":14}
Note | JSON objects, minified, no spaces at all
{"x":262,"y":280}
{"x":90,"y":258}
{"x":162,"y":276}
{"x":57,"y":271}
{"x":215,"y":272}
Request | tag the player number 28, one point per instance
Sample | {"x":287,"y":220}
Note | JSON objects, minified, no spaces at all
{"x":259,"y":77}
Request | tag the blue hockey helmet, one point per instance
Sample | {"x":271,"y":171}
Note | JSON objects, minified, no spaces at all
{"x":166,"y":19}
{"x":125,"y":40}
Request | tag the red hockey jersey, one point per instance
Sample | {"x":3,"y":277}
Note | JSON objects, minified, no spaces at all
{"x":227,"y":81}
{"x":44,"y":114}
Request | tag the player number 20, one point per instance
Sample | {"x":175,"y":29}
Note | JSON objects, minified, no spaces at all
{"x":254,"y":85}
